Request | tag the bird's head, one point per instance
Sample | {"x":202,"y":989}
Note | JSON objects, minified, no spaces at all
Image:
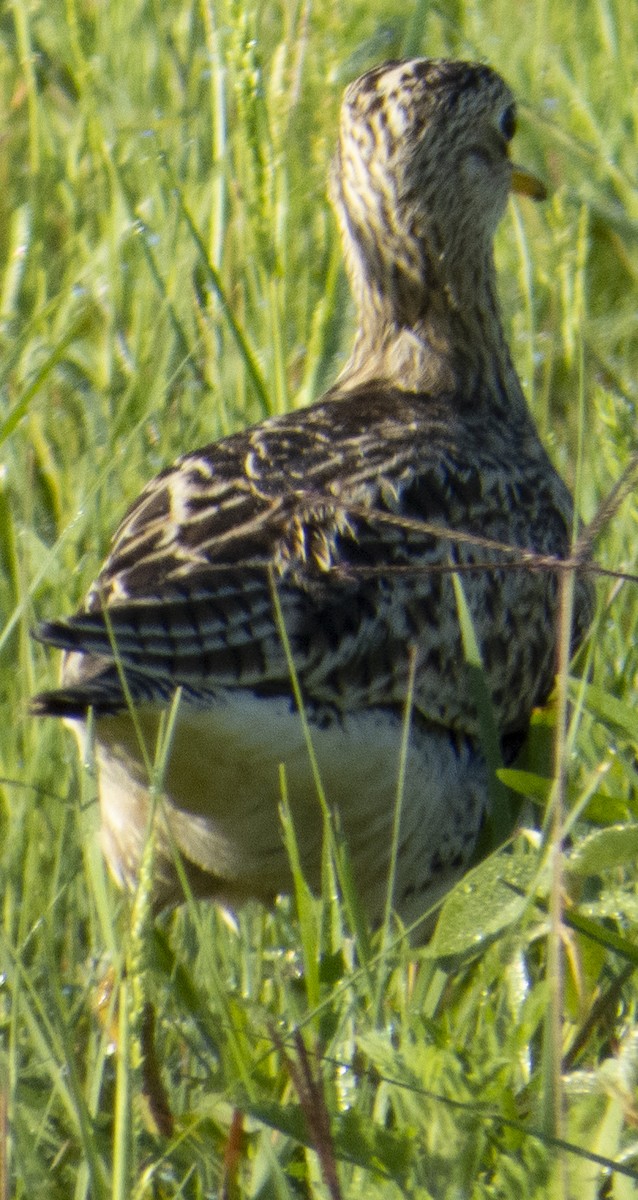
{"x":422,"y":175}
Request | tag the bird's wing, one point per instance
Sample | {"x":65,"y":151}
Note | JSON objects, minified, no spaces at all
{"x":185,"y":597}
{"x":313,"y":506}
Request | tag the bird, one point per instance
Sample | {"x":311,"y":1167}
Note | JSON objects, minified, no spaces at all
{"x":292,"y":590}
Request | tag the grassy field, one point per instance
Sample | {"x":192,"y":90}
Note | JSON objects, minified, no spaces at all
{"x":170,"y":271}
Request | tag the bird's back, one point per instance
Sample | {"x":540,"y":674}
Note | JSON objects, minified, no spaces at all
{"x":356,"y":511}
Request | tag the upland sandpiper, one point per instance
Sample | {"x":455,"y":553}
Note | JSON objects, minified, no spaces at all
{"x":422,"y":457}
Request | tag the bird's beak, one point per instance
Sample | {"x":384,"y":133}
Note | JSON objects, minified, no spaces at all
{"x":526,"y":184}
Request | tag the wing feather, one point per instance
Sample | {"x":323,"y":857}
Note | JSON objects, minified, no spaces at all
{"x":325,"y":506}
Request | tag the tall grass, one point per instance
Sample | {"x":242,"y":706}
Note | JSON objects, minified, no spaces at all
{"x":170,"y":271}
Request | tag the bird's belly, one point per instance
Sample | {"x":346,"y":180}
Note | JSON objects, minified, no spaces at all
{"x":222,"y":789}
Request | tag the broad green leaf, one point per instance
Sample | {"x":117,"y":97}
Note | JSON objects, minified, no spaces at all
{"x":603,"y":850}
{"x":610,"y":710}
{"x":487,"y":900}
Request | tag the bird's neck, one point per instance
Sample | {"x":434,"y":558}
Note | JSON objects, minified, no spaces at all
{"x":433,"y":340}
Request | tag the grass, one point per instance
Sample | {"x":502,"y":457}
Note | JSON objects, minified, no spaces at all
{"x":169,"y":271}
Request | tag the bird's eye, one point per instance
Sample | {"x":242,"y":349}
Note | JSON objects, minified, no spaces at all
{"x":507,"y":123}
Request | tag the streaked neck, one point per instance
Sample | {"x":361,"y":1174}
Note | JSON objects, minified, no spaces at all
{"x":432,"y":340}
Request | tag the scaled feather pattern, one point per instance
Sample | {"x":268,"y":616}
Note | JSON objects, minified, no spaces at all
{"x":423,"y":459}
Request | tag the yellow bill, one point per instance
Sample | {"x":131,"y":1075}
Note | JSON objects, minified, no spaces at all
{"x":527,"y":184}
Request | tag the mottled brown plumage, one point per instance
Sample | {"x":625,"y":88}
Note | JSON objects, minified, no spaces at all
{"x":422,"y":456}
